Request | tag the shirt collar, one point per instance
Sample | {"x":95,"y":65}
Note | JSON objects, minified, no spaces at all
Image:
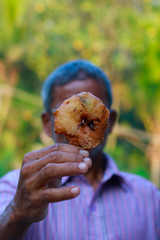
{"x":111,"y":170}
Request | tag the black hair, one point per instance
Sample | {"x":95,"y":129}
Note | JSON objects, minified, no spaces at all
{"x":74,"y":70}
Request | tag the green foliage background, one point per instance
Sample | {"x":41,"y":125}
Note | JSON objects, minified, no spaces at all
{"x":122,"y":37}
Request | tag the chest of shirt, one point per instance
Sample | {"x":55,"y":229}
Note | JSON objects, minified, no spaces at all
{"x":110,"y":213}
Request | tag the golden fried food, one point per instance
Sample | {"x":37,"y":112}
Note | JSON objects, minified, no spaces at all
{"x":83,"y":119}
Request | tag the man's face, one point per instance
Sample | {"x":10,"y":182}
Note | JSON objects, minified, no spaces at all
{"x":61,"y":93}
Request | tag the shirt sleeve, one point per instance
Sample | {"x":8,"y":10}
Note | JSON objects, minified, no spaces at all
{"x":8,"y":186}
{"x":156,"y":194}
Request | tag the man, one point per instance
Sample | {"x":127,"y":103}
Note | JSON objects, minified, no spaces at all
{"x":101,"y":202}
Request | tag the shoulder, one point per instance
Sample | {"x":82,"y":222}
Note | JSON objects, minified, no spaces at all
{"x":11,"y":178}
{"x":142,"y":188}
{"x":136,"y":181}
{"x":147,"y":197}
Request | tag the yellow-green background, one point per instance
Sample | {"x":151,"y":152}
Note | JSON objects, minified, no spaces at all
{"x":122,"y":37}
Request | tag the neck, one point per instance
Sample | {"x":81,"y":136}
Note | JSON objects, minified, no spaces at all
{"x":95,"y":173}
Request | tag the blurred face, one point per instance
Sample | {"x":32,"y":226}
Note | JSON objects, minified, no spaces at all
{"x":61,"y":93}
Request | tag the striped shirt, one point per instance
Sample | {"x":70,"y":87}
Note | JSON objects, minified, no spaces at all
{"x":124,"y":207}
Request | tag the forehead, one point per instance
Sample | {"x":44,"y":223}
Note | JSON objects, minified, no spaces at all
{"x":60,"y":93}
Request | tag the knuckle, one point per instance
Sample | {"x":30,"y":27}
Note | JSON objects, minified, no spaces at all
{"x":78,"y":157}
{"x":57,"y":156}
{"x":24,"y":171}
{"x":60,"y":146}
{"x":45,"y":196}
{"x":72,"y":167}
{"x":55,"y":147}
{"x":27,"y":186}
{"x":34,"y":198}
{"x":26,"y":158}
{"x":54,"y":156}
{"x":48,"y":169}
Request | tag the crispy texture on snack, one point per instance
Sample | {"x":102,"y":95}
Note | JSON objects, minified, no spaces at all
{"x":83,"y":119}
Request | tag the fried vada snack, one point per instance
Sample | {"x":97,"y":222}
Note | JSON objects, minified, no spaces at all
{"x":83,"y":119}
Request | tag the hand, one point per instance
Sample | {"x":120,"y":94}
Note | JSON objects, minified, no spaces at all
{"x":42,"y":170}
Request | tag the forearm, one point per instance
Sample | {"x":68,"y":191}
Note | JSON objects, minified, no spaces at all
{"x":10,"y":228}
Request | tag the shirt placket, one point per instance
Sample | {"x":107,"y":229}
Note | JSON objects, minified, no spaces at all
{"x":92,"y":213}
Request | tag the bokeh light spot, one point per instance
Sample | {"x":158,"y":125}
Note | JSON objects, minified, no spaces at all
{"x":26,"y":115}
{"x":39,"y":7}
{"x":152,"y":31}
{"x":78,"y":44}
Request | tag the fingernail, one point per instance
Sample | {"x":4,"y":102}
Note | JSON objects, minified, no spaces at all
{"x":75,"y":190}
{"x":82,"y":166}
{"x":88,"y":161}
{"x":84,"y":153}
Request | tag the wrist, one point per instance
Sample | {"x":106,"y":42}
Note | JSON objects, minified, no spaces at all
{"x":16,"y":216}
{"x":10,"y":226}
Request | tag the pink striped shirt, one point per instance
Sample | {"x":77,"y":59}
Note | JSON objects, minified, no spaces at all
{"x":124,"y":207}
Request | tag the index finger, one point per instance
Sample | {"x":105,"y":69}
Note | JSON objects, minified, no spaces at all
{"x":35,"y":155}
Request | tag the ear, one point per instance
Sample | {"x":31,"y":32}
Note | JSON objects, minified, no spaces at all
{"x":112,"y":120}
{"x":46,"y":124}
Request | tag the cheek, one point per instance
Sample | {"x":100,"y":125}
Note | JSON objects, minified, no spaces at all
{"x":58,"y":138}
